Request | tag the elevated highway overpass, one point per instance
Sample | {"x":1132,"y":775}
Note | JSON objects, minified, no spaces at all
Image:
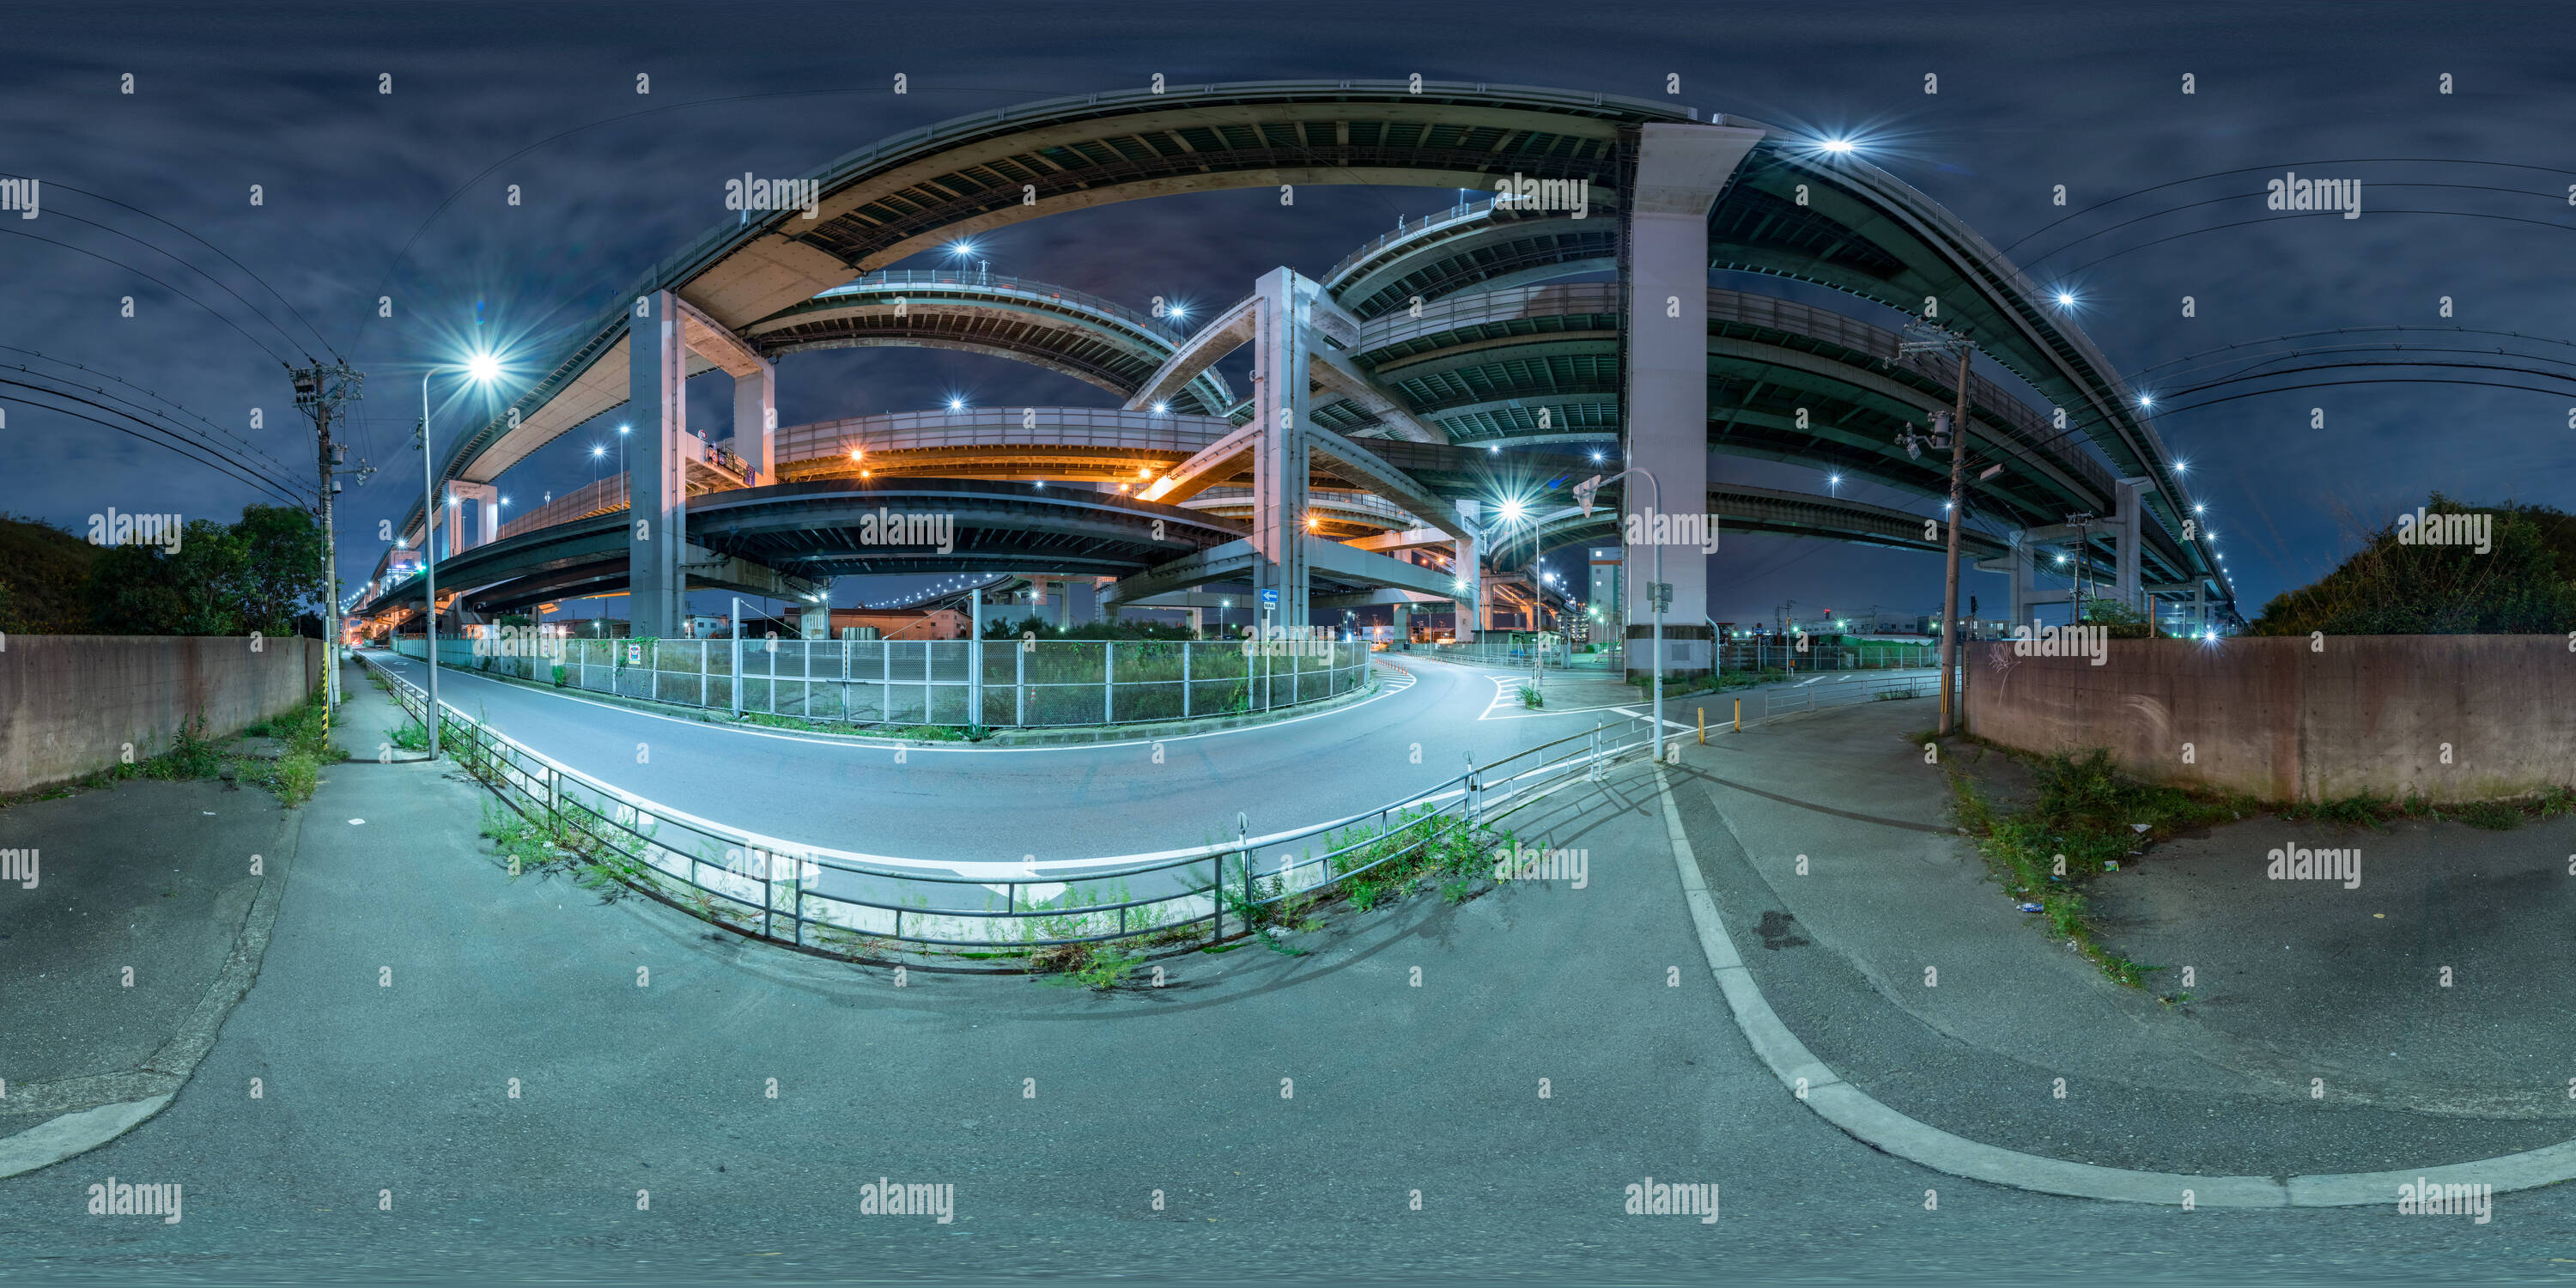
{"x":1455,"y":332}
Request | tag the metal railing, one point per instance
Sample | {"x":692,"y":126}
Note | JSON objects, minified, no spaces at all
{"x":1165,"y":328}
{"x":851,"y":904}
{"x":1786,"y":657}
{"x":994,"y":683}
{"x":1459,"y":212}
{"x":1718,"y":710}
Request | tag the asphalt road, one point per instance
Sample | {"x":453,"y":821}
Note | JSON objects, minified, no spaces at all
{"x":1001,"y":805}
{"x":1287,"y":1112}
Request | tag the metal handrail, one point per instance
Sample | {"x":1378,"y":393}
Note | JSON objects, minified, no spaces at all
{"x":1163,"y":328}
{"x":717,"y":887}
{"x":1465,"y":210}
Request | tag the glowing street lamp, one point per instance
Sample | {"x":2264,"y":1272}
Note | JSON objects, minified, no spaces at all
{"x":483,"y":369}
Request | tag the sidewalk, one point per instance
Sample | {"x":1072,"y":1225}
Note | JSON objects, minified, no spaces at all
{"x":1902,"y":966}
{"x":145,"y":926}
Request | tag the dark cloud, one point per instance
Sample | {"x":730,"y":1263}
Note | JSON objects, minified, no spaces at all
{"x":544,"y":97}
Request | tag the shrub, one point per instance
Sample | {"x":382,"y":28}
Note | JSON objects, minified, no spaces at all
{"x":2526,"y":583}
{"x":295,"y":776}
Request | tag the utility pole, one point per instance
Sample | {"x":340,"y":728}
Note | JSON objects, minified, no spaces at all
{"x":320,"y":392}
{"x":1923,"y":336}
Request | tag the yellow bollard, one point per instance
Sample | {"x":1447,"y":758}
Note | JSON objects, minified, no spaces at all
{"x":1703,"y":726}
{"x":1739,"y":715}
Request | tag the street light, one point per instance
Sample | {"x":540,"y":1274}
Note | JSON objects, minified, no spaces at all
{"x":1583,"y":493}
{"x":482,"y":368}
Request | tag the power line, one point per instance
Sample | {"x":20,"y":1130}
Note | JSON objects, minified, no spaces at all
{"x":227,"y":257}
{"x":173,"y":405}
{"x":263,"y":345}
{"x":179,"y":443}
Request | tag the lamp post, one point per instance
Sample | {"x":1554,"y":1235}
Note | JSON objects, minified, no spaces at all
{"x":1659,"y":596}
{"x":482,"y":368}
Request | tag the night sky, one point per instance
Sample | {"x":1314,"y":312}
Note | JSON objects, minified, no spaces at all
{"x":369,"y":194}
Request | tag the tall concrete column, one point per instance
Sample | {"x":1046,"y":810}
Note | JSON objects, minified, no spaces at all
{"x":2124,"y":540}
{"x":2025,"y":581}
{"x":657,"y":366}
{"x":486,"y":499}
{"x":1403,"y":627}
{"x":1280,"y":467}
{"x":1681,"y":168}
{"x":814,"y":621}
{"x":1469,"y":575}
{"x":755,"y":421}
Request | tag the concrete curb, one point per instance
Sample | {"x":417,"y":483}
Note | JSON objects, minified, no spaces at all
{"x":1873,"y":1124}
{"x":77,"y":1130}
{"x":56,"y":1139}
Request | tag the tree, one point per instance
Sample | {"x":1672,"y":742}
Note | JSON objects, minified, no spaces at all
{"x":2524,"y":584}
{"x":44,"y":570}
{"x":261,"y":574}
{"x":281,"y":576}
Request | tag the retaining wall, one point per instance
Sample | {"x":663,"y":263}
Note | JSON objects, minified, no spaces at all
{"x":2453,"y":717}
{"x":70,"y":704}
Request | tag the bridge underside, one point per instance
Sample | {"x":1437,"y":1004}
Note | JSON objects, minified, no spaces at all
{"x":1392,"y":378}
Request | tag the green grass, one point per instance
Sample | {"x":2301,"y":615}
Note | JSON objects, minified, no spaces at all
{"x":2084,"y":818}
{"x":294,"y":777}
{"x":2493,"y":816}
{"x":1531,"y":697}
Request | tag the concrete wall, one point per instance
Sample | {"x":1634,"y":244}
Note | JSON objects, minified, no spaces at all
{"x":70,"y":703}
{"x":2272,"y":718}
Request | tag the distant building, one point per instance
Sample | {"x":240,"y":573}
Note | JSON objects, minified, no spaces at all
{"x":902,"y":624}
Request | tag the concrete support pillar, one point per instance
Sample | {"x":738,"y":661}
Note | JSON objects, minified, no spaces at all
{"x":657,"y":366}
{"x":2125,"y":519}
{"x":486,"y":499}
{"x":1468,"y":573}
{"x":2025,"y":581}
{"x":1681,"y":168}
{"x":1198,"y":621}
{"x":814,"y":621}
{"x":1280,"y":466}
{"x":755,"y":421}
{"x":1403,"y":627}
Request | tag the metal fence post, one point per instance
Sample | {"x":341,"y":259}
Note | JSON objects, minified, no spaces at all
{"x":1108,"y":682}
{"x":1020,"y":684}
{"x":1185,"y":678}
